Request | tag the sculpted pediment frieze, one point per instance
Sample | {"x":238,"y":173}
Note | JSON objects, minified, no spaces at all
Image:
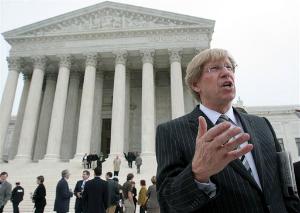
{"x":108,"y":19}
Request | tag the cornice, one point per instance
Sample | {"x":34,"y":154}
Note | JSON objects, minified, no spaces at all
{"x":151,"y":33}
{"x":109,"y":15}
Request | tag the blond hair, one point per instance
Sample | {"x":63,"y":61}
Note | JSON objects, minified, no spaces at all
{"x":194,"y":69}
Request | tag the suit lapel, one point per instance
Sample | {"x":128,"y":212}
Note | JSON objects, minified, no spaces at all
{"x":237,"y":165}
{"x":193,"y":119}
{"x":257,"y":155}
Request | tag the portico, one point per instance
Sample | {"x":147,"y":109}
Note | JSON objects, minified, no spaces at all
{"x":108,"y":64}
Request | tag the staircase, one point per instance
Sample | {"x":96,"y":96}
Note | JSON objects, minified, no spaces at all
{"x":26,"y":173}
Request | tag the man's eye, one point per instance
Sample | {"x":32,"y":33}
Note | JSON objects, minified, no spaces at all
{"x":214,"y":68}
{"x":228,"y":67}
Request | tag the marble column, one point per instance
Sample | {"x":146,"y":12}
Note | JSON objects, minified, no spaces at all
{"x":45,"y":117}
{"x":177,"y":99}
{"x":127,"y":113}
{"x":59,"y":107}
{"x":118,"y":108}
{"x":97,"y":115}
{"x":86,"y":108}
{"x":148,"y":104}
{"x":69,"y":133}
{"x":31,"y":110}
{"x":8,"y":99}
{"x":73,"y":150}
{"x":16,"y":135}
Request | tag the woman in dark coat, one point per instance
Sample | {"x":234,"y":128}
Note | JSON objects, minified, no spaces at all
{"x":39,"y":195}
{"x":152,"y":203}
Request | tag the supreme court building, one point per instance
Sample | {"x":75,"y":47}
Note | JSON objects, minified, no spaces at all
{"x":100,"y":79}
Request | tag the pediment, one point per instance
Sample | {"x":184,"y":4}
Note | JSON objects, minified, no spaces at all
{"x":106,"y":17}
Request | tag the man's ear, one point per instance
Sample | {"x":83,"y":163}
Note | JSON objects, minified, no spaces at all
{"x":195,"y":86}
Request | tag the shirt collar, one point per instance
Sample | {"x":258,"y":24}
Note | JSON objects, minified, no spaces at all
{"x":214,"y":115}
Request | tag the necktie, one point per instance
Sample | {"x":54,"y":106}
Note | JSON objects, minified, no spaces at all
{"x":82,"y":186}
{"x":223,"y":118}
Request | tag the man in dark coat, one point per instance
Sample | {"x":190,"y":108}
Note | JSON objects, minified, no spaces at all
{"x":216,"y":159}
{"x":17,"y":195}
{"x":5,"y":190}
{"x":95,"y":194}
{"x":113,"y":193}
{"x":63,"y":193}
{"x":79,"y":190}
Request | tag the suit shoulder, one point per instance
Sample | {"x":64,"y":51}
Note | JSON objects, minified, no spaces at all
{"x":252,"y":117}
{"x":103,"y":182}
{"x":174,"y":122}
{"x":79,"y":182}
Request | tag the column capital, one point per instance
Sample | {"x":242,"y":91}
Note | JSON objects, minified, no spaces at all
{"x":147,"y":55}
{"x":65,"y":60}
{"x":120,"y":56}
{"x":14,"y":63}
{"x":175,"y":55}
{"x":91,"y":59}
{"x":39,"y":62}
{"x":197,"y":50}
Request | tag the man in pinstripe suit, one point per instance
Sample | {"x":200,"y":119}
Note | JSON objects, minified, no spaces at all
{"x":207,"y":165}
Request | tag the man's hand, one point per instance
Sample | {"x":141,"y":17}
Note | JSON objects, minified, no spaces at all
{"x":79,"y":195}
{"x":216,"y":148}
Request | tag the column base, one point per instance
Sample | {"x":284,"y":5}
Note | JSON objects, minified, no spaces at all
{"x":3,"y":161}
{"x":50,"y":158}
{"x":78,"y":157}
{"x":22,"y":159}
{"x":148,"y":154}
{"x":113,"y":155}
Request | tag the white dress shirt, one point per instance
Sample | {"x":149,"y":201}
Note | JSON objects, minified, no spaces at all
{"x":213,"y":117}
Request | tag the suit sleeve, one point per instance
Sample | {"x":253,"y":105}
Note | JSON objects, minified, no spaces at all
{"x":292,"y":202}
{"x":177,"y":189}
{"x":40,"y":194}
{"x":7,"y":194}
{"x":22,"y":194}
{"x":13,"y":194}
{"x":105,"y":195}
{"x":77,"y":188}
{"x":66,"y":194}
{"x":85,"y":197}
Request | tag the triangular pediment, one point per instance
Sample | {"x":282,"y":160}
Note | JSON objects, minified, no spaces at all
{"x":108,"y":16}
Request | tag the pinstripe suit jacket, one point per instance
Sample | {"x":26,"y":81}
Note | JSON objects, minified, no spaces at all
{"x":237,"y":191}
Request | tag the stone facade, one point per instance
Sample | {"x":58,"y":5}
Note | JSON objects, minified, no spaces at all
{"x":286,"y":123}
{"x":98,"y":79}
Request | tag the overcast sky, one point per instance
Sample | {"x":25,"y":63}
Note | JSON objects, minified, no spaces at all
{"x":262,"y":35}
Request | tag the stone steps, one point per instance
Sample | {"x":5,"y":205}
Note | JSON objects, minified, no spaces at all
{"x":26,"y":173}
